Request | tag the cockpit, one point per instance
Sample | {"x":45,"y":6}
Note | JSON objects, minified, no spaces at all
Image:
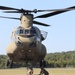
{"x":21,"y":31}
{"x":31,"y":32}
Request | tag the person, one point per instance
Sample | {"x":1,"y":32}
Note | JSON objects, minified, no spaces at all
{"x":30,"y":71}
{"x":43,"y":72}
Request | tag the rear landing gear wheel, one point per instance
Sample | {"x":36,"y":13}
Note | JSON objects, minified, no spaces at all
{"x":43,"y":63}
{"x":9,"y":64}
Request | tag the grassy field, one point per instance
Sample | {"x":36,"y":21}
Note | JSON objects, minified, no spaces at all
{"x":52,"y":71}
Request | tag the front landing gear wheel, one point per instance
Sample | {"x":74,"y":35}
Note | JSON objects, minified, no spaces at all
{"x":43,"y":63}
{"x":9,"y":64}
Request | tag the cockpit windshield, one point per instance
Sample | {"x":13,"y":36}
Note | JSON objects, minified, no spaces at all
{"x":25,"y":32}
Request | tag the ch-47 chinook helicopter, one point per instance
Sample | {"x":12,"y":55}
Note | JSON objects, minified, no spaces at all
{"x":27,"y":39}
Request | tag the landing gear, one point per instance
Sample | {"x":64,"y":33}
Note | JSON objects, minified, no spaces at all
{"x":43,"y":63}
{"x":27,"y":64}
{"x":9,"y":63}
{"x":44,"y":72}
{"x":42,"y":67}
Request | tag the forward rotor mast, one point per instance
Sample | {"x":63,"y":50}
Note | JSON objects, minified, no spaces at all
{"x":26,"y":20}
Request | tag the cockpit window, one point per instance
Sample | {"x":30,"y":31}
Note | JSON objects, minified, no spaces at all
{"x":32,"y":32}
{"x":26,"y":31}
{"x":21,"y":32}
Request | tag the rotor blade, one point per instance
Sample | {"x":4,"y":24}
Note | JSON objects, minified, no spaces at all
{"x":56,"y":12}
{"x":12,"y":11}
{"x":7,"y":8}
{"x":39,"y":23}
{"x":17,"y":11}
{"x":70,"y":8}
{"x":35,"y":22}
{"x":10,"y":17}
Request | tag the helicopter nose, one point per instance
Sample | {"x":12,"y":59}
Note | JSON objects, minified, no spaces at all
{"x":25,"y":40}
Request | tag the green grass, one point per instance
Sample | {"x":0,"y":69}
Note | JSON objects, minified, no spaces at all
{"x":52,"y":71}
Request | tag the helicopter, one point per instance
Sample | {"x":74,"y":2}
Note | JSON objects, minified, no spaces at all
{"x":26,"y":44}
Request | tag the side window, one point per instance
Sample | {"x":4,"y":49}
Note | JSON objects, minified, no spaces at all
{"x":17,"y":32}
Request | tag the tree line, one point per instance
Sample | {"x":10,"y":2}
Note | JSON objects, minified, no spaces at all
{"x":63,"y":59}
{"x":53,"y":60}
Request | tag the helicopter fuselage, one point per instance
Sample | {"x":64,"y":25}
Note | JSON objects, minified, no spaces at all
{"x":26,"y":44}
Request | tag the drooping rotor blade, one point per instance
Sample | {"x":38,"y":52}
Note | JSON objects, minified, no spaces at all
{"x":35,"y":22}
{"x":56,"y":12}
{"x":10,"y":17}
{"x":39,"y":23}
{"x":7,"y":8}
